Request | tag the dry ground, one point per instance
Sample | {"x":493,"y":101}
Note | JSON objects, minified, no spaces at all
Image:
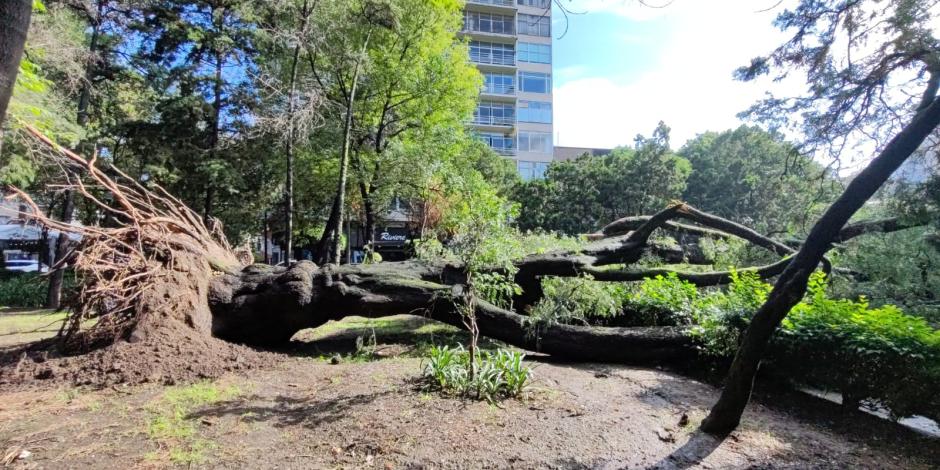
{"x":372,"y":413}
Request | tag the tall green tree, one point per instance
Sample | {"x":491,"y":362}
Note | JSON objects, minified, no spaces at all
{"x":580,"y":196}
{"x":755,"y":178}
{"x":197,"y":56}
{"x":340,"y":62}
{"x":421,"y":86}
{"x":873,"y":70}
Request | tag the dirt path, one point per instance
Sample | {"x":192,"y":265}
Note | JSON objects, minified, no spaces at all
{"x":308,"y":413}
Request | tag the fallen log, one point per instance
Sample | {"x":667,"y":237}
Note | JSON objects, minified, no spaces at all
{"x":266,"y":306}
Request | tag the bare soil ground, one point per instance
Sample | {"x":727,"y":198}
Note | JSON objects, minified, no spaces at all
{"x":369,"y":411}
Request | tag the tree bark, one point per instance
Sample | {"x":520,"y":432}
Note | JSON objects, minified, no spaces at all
{"x":14,"y":24}
{"x":266,"y":305}
{"x":334,"y":226}
{"x":368,"y":208}
{"x":57,"y":277}
{"x":289,"y":150}
{"x":790,"y":287}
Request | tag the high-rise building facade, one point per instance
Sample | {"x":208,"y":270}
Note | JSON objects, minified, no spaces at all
{"x":511,"y":45}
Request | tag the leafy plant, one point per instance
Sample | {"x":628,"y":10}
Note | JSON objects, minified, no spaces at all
{"x":28,"y":289}
{"x":496,"y":288}
{"x":664,"y":300}
{"x":577,"y":300}
{"x":499,"y":374}
{"x":878,"y":355}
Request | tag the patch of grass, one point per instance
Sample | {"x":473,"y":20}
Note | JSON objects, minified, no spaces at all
{"x":20,"y":326}
{"x":170,"y":426}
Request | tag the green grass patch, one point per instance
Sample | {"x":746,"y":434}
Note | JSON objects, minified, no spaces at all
{"x":20,"y":326}
{"x":169,"y":423}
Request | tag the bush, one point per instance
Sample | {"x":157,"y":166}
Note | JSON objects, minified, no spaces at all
{"x":577,"y":300}
{"x":664,"y":300}
{"x":23,"y":290}
{"x":878,"y":355}
{"x":720,"y":318}
{"x":29,"y":290}
{"x":875,"y":354}
{"x":499,"y":374}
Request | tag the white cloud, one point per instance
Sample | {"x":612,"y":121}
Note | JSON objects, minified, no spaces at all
{"x":690,"y":87}
{"x":572,"y":72}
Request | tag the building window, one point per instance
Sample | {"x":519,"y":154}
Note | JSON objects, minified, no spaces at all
{"x":494,"y":114}
{"x":498,"y":84}
{"x":534,"y":3}
{"x":531,"y":170}
{"x":536,"y":53}
{"x":535,"y":111}
{"x":492,"y":53}
{"x":487,"y":23}
{"x":500,"y":143}
{"x":540,"y":142}
{"x":534,"y":82}
{"x":534,"y":25}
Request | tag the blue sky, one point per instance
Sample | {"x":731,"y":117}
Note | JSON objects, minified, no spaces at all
{"x":623,"y":67}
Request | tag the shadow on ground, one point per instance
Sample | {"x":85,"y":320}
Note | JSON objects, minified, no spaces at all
{"x":287,"y":411}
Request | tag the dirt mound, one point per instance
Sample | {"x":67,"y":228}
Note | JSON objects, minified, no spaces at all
{"x":166,"y":357}
{"x":170,"y":341}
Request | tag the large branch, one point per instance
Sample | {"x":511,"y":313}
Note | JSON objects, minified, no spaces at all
{"x":628,"y":248}
{"x":888,"y":225}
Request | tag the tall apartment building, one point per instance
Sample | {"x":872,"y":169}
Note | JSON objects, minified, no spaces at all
{"x":511,"y":45}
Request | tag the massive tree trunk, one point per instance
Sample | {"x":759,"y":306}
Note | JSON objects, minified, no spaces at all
{"x":14,"y":24}
{"x":265,"y":306}
{"x":790,"y":287}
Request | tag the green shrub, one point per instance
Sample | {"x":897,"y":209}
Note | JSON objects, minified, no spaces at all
{"x":875,"y":354}
{"x":23,"y":290}
{"x":499,"y":374}
{"x":664,"y":300}
{"x":29,"y":290}
{"x":879,"y":355}
{"x":720,"y":317}
{"x":497,"y":289}
{"x":577,"y":300}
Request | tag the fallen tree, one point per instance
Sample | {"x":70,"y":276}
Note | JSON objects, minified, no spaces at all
{"x":164,"y":282}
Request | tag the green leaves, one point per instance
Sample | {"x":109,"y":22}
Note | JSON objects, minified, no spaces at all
{"x":581,"y":195}
{"x":499,"y":374}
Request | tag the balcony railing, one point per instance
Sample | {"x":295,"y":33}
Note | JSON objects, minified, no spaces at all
{"x":494,"y":121}
{"x":506,"y":152}
{"x":500,"y":3}
{"x":491,"y":59}
{"x":470,"y":29}
{"x":508,"y":90}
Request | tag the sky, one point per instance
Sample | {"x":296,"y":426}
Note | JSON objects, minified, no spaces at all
{"x":622,"y":67}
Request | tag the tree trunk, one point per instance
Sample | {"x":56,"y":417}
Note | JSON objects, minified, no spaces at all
{"x":289,"y":180}
{"x":334,"y":227}
{"x":57,"y":277}
{"x":324,"y":246}
{"x":14,"y":24}
{"x":369,"y":208}
{"x":209,"y":200}
{"x":790,"y":287}
{"x":291,"y":107}
{"x":265,"y":305}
